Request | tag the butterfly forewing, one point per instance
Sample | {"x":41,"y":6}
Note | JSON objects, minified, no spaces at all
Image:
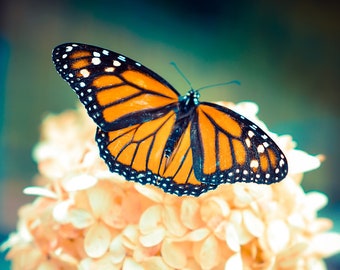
{"x":110,"y":85}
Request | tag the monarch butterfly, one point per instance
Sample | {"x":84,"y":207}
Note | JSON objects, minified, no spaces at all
{"x":149,"y":133}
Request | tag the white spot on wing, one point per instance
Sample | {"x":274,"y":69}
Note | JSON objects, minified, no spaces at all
{"x":251,"y":134}
{"x":84,"y":72}
{"x":116,"y":63}
{"x":260,"y":148}
{"x":121,"y":57}
{"x":254,"y":163}
{"x":96,"y":61}
{"x":109,"y":69}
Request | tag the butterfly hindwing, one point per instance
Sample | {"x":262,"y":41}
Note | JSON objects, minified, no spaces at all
{"x":137,"y":153}
{"x":230,"y":148}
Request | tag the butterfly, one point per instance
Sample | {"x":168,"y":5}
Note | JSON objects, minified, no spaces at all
{"x":150,"y":134}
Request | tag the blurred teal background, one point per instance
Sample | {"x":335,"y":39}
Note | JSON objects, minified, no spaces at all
{"x":285,"y":55}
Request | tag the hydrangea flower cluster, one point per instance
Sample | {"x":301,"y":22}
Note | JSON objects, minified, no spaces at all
{"x":84,"y":217}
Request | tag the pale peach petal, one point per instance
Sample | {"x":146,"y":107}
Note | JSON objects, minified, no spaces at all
{"x":117,"y":250}
{"x":97,"y":240}
{"x":155,"y":263}
{"x":173,"y":254}
{"x":223,"y":205}
{"x":293,"y":252}
{"x":253,"y":224}
{"x":299,"y":162}
{"x":242,"y":197}
{"x":319,"y":225}
{"x":296,"y":220}
{"x":277,"y":234}
{"x":190,"y":215}
{"x":247,"y":108}
{"x":150,"y":219}
{"x":209,"y":254}
{"x":102,"y":263}
{"x":315,"y":201}
{"x":153,"y":238}
{"x":130,"y":236}
{"x":219,"y":231}
{"x":325,"y":244}
{"x":130,"y":264}
{"x":79,"y":182}
{"x":237,"y":220}
{"x":150,"y":192}
{"x":234,"y":262}
{"x":101,"y":197}
{"x":80,"y":218}
{"x":60,"y":211}
{"x":213,"y":210}
{"x":232,"y":238}
{"x":40,"y":191}
{"x":194,"y":236}
{"x":171,"y":221}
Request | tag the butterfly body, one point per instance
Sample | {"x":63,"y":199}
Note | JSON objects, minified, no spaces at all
{"x":150,"y":134}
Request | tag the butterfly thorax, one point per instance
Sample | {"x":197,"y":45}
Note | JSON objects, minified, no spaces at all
{"x":186,"y":105}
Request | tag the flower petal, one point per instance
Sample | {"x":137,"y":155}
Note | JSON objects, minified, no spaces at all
{"x":40,"y":191}
{"x":150,"y":219}
{"x":130,"y":236}
{"x":60,"y":211}
{"x":325,"y":244}
{"x":79,"y":182}
{"x":173,"y":254}
{"x":80,"y":218}
{"x":277,"y":234}
{"x":97,"y":240}
{"x":209,"y":254}
{"x":101,"y":198}
{"x":155,"y":263}
{"x":190,"y":213}
{"x":171,"y":221}
{"x":253,"y":224}
{"x":234,"y":262}
{"x":232,"y":238}
{"x":300,"y":162}
{"x":153,"y":238}
{"x":130,"y":264}
{"x":117,"y":250}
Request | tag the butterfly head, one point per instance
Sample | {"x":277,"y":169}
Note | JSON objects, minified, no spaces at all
{"x":191,"y":98}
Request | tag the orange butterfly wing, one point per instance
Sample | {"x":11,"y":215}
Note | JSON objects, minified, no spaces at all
{"x":230,"y":148}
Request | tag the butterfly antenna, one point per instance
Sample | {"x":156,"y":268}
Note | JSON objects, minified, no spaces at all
{"x":219,"y":84}
{"x":181,"y":73}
